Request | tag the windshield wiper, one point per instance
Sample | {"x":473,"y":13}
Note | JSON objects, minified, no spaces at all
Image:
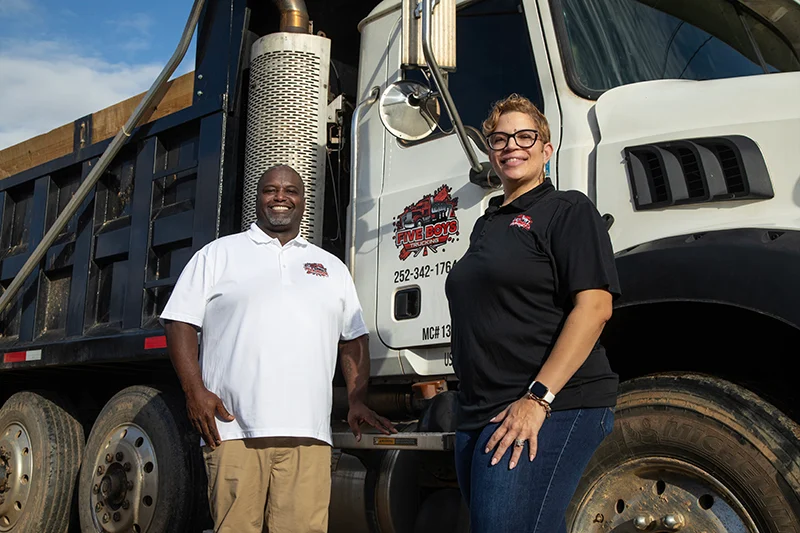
{"x":753,"y":42}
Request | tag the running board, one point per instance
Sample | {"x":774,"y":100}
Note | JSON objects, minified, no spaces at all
{"x":439,"y":442}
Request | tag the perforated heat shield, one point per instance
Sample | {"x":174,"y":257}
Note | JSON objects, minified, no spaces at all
{"x":286,"y":119}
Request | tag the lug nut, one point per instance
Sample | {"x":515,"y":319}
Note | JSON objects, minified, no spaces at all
{"x":130,"y":485}
{"x":642,"y":522}
{"x":673,"y":522}
{"x":96,"y":489}
{"x":105,"y":518}
{"x":117,"y":517}
{"x":100,"y":470}
{"x":98,"y":507}
{"x":126,"y":504}
{"x":109,"y":458}
{"x":120,"y":457}
{"x":127,"y":467}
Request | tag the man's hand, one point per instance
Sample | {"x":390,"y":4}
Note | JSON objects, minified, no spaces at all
{"x":203,"y":406}
{"x":354,"y":358}
{"x":359,"y":413}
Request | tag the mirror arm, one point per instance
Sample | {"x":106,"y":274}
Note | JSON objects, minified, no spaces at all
{"x":427,"y":50}
{"x":487,"y":178}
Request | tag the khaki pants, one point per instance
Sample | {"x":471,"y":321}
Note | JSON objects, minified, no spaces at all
{"x":274,"y":484}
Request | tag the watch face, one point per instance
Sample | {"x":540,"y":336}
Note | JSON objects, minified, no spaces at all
{"x":539,"y":390}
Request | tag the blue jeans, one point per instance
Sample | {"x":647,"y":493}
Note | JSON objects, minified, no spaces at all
{"x":533,"y":497}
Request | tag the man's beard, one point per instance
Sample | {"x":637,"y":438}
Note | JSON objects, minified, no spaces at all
{"x":278,"y":220}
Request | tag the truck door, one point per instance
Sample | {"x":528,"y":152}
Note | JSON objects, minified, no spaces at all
{"x":428,"y":206}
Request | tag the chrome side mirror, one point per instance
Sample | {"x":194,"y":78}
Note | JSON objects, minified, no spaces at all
{"x":409,"y":110}
{"x":445,"y":40}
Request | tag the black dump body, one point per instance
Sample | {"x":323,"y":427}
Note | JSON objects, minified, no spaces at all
{"x":174,"y":187}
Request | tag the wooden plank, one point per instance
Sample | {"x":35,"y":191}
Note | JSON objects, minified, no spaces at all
{"x":105,"y":124}
{"x":35,"y":151}
{"x":109,"y":121}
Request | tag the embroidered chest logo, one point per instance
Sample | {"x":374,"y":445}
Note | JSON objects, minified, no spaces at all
{"x":427,"y":224}
{"x":316,"y":269}
{"x":521,"y":221}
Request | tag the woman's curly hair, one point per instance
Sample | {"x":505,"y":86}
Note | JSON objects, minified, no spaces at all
{"x":515,"y":102}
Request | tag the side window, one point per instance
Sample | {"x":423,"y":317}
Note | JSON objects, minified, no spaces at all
{"x":494,"y":59}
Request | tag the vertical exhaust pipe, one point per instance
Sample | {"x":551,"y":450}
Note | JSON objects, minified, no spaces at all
{"x":287,"y":113}
{"x":294,"y":15}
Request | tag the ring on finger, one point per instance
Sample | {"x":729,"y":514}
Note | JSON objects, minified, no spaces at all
{"x":519,"y":443}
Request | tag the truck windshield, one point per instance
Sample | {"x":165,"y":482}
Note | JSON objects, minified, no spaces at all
{"x":608,"y":43}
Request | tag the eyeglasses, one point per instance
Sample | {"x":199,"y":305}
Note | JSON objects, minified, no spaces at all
{"x":524,"y":139}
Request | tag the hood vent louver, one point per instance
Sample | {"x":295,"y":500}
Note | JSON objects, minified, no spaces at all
{"x":692,"y":171}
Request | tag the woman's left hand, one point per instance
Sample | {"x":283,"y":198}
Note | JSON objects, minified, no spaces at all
{"x":520,"y":420}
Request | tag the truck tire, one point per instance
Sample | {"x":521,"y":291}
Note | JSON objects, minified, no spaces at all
{"x":693,"y":453}
{"x":142,"y":468}
{"x":40,"y":453}
{"x":444,"y":511}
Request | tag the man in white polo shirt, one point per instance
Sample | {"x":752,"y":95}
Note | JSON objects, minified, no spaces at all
{"x":272,"y":308}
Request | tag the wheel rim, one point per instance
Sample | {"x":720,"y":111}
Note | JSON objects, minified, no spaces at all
{"x":660,"y":495}
{"x":124,"y":481}
{"x":16,"y":473}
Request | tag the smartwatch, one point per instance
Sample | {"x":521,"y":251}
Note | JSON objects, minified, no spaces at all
{"x":541,"y":391}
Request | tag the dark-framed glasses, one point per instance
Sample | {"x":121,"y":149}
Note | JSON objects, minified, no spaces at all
{"x":524,"y":139}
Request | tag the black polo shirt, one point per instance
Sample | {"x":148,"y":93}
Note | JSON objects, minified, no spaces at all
{"x":511,"y":293}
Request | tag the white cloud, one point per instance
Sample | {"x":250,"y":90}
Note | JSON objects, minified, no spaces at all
{"x":136,"y":29}
{"x":48,"y":84}
{"x":139,"y":22}
{"x":12,"y":7}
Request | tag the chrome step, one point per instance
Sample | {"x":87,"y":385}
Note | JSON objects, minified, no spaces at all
{"x":398,"y":441}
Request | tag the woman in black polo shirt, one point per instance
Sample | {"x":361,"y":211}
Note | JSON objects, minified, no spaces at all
{"x":528,"y":302}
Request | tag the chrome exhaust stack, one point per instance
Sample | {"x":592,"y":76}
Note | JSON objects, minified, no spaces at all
{"x":294,"y":16}
{"x":287,"y":112}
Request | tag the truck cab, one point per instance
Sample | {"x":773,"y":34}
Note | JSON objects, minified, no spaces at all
{"x":678,"y":121}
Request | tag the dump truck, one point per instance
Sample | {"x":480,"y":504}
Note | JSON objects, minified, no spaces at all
{"x":679,"y":120}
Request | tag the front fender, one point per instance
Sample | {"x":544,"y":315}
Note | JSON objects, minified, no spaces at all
{"x":755,"y":269}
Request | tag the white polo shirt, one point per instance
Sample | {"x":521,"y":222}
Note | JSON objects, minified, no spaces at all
{"x":271,"y":319}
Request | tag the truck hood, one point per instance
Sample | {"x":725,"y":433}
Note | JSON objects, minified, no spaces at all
{"x":763,"y":108}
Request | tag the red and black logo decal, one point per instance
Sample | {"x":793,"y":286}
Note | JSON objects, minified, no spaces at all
{"x":521,"y":221}
{"x":427,"y":224}
{"x":316,"y":269}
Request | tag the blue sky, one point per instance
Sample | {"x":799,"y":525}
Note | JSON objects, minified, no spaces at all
{"x":61,"y":60}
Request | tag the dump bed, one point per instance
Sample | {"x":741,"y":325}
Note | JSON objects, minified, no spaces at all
{"x":112,"y":268}
{"x":99,"y":290}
